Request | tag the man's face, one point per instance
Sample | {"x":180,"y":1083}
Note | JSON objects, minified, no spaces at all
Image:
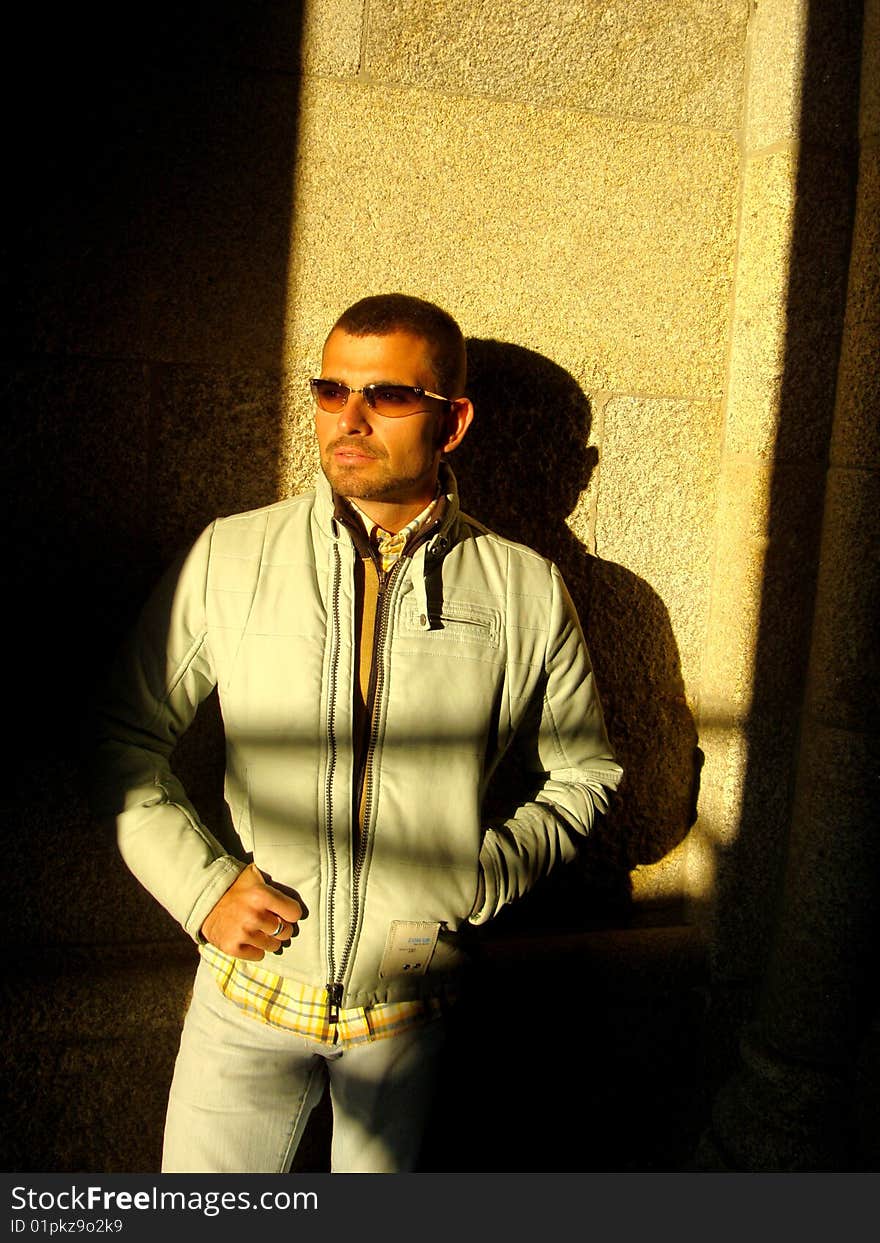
{"x":370,"y":457}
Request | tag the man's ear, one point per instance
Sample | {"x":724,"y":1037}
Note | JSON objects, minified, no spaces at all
{"x":457,"y":420}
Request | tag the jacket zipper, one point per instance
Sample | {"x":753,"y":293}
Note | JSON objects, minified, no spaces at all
{"x":334,"y":991}
{"x":363,"y":786}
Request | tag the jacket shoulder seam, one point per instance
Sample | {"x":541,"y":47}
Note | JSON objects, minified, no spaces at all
{"x":502,"y":541}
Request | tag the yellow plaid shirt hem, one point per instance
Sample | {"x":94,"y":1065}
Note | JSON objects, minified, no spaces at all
{"x":282,"y":1002}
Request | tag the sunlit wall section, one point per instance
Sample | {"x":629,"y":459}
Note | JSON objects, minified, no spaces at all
{"x":792,"y":251}
{"x":568,"y":186}
{"x":804,"y":1095}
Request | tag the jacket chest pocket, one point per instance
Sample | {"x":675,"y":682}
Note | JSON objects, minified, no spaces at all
{"x":454,"y":622}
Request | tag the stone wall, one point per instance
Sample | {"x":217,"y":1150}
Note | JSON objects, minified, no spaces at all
{"x":642,"y":216}
{"x":569,"y":189}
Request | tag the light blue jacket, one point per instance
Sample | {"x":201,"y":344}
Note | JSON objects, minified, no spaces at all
{"x":478,"y":650}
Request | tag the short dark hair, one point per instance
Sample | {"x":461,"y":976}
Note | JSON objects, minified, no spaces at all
{"x":384,"y":313}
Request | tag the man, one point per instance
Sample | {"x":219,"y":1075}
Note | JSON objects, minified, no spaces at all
{"x":376,"y":653}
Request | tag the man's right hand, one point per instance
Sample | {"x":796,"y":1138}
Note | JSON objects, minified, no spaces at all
{"x":244,"y":923}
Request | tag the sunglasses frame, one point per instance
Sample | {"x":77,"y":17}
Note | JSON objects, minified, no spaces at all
{"x":368,"y":392}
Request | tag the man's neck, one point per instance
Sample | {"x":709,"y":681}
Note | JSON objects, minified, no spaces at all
{"x":391,"y":516}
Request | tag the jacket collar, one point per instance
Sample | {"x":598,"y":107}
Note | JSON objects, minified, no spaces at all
{"x":333,"y":517}
{"x":428,"y":552}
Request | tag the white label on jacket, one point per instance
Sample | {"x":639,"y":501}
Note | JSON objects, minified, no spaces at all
{"x":409,"y":947}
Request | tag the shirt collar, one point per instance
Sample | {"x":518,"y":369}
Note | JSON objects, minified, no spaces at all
{"x":390,"y":544}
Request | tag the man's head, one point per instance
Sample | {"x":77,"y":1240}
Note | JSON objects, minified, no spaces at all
{"x":383,"y":314}
{"x":389,"y":404}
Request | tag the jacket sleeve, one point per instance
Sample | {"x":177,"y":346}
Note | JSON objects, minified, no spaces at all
{"x":569,"y":765}
{"x":160,"y":677}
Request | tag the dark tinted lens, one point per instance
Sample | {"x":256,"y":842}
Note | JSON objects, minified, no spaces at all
{"x":329,"y":395}
{"x":395,"y":399}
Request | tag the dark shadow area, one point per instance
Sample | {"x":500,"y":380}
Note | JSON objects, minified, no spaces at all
{"x":148,"y":271}
{"x":148,"y":218}
{"x":626,"y":1096}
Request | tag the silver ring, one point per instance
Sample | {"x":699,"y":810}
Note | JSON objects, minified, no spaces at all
{"x":275,"y":932}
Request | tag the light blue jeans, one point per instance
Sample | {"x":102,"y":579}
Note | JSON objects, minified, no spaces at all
{"x":242,"y":1093}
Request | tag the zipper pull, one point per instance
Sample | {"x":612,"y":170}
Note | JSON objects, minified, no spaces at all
{"x":334,"y":997}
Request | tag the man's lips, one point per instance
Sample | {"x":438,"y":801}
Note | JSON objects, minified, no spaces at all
{"x":346,"y":452}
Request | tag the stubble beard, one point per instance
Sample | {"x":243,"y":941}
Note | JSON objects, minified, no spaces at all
{"x":374,"y":482}
{"x":365,"y":484}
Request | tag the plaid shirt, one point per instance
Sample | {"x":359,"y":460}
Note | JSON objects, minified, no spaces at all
{"x":390,"y":544}
{"x":282,"y":1002}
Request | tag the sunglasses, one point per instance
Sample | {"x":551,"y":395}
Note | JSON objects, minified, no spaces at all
{"x":394,"y":401}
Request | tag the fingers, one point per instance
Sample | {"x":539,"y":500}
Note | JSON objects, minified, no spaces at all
{"x":242,"y":950}
{"x":267,"y":929}
{"x":279,"y":933}
{"x":278,"y":904}
{"x":252,"y":918}
{"x":274,"y":931}
{"x":252,"y":940}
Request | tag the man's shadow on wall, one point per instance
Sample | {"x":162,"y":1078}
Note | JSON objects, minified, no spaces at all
{"x":521,"y":471}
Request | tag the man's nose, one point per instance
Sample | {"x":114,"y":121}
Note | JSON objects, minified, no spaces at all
{"x":354,"y":417}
